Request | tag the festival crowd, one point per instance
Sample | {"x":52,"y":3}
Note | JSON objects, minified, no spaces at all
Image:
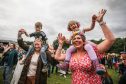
{"x":85,"y":61}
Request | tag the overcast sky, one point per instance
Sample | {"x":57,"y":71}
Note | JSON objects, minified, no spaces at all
{"x":55,"y":15}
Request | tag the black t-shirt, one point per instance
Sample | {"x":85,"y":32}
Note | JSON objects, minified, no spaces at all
{"x":122,"y":79}
{"x":122,"y":68}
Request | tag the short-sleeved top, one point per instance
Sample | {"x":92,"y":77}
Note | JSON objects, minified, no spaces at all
{"x":83,"y":71}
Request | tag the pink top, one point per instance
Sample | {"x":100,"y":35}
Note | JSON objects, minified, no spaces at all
{"x":83,"y":71}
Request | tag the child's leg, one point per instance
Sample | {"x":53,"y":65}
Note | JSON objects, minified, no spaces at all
{"x":43,"y":54}
{"x":30,"y":50}
{"x":69,"y":52}
{"x":91,"y":52}
{"x":94,"y":58}
{"x":65,"y":65}
{"x":44,"y":58}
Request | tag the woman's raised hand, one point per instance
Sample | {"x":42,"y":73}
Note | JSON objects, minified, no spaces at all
{"x":22,"y":31}
{"x":101,"y":15}
{"x":61,"y":38}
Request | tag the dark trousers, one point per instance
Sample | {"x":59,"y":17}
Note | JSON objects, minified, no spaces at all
{"x":53,"y":69}
{"x":7,"y":74}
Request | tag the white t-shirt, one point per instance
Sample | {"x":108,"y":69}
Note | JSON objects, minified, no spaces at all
{"x":33,"y":65}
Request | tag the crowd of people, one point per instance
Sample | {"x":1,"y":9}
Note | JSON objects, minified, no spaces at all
{"x":84,"y":59}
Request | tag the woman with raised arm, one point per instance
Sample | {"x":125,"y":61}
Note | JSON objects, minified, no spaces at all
{"x":32,"y":72}
{"x":83,"y":71}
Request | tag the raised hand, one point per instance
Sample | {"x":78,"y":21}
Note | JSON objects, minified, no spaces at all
{"x":101,"y":15}
{"x":22,"y":31}
{"x":94,"y":18}
{"x":61,"y":38}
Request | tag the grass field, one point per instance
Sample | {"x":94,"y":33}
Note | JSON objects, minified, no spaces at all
{"x":56,"y":79}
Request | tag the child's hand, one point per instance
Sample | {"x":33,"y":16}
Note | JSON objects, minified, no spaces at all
{"x":94,"y":18}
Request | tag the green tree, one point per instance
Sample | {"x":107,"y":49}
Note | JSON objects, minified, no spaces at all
{"x":117,"y":47}
{"x":56,"y":44}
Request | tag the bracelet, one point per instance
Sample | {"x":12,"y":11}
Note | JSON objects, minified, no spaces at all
{"x":102,"y":22}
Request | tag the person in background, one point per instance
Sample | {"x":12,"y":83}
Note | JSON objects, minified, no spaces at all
{"x":10,"y":58}
{"x":122,"y":69}
{"x":109,"y":61}
{"x":1,"y":48}
{"x":19,"y":66}
{"x":54,"y":62}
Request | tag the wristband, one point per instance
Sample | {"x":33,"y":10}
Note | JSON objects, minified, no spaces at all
{"x":102,"y":22}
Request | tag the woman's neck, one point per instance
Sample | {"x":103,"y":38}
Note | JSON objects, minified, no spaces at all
{"x":37,"y":52}
{"x":79,"y":50}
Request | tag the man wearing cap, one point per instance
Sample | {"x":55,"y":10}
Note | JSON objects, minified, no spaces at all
{"x":122,"y":69}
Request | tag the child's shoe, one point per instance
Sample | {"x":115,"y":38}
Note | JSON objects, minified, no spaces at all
{"x":100,"y":69}
{"x":64,"y":66}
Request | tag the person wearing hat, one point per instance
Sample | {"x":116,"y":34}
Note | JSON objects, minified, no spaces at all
{"x":122,"y":69}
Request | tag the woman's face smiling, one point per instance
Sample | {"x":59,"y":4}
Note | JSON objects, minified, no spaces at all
{"x":37,"y":45}
{"x":78,"y":42}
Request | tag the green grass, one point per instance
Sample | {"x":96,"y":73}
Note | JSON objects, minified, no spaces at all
{"x":56,"y":79}
{"x":114,"y":74}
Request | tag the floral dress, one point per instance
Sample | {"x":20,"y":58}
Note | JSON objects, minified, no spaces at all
{"x":83,"y":71}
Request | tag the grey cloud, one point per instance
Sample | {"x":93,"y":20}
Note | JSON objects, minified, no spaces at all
{"x":56,"y":14}
{"x":117,"y":8}
{"x":119,"y":29}
{"x":117,"y":4}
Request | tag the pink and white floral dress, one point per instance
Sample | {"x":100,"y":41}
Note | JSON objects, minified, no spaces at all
{"x":83,"y":71}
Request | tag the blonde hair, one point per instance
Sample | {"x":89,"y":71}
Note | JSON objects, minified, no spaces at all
{"x":80,"y":34}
